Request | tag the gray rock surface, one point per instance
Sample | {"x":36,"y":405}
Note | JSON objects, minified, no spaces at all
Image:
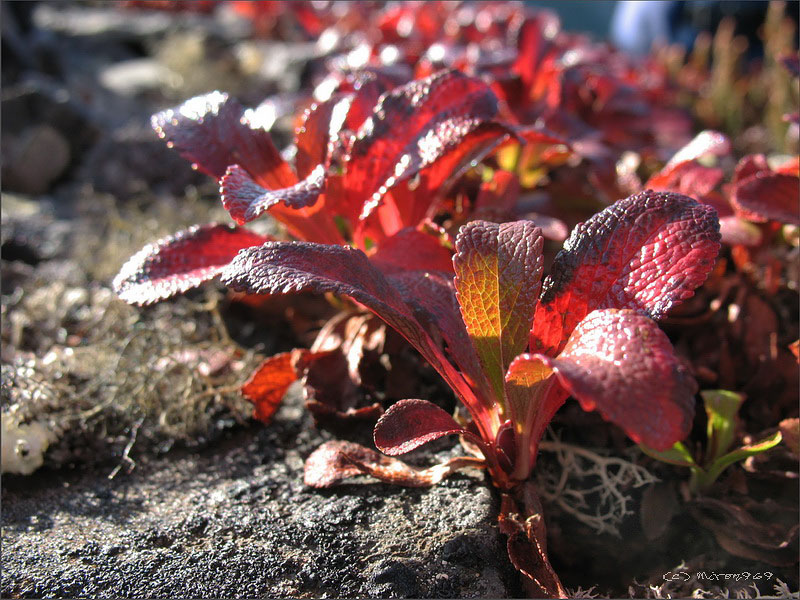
{"x":235,"y":520}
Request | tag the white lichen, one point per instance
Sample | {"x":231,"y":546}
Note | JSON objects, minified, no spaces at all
{"x":23,"y":444}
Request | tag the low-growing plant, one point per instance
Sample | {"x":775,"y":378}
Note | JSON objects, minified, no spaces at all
{"x":513,"y":348}
{"x":371,"y":169}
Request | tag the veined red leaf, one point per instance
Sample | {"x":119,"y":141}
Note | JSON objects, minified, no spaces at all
{"x":337,"y":460}
{"x":409,"y":424}
{"x":270,"y":381}
{"x":368,"y":85}
{"x":620,"y":363}
{"x":768,"y":196}
{"x":534,"y":396}
{"x":432,"y":297}
{"x":648,"y":252}
{"x":286,"y":267}
{"x":412,"y":250}
{"x":245,"y":200}
{"x":411,"y":127}
{"x":179,"y":262}
{"x":405,"y":205}
{"x":213,"y":131}
{"x":498,"y":279}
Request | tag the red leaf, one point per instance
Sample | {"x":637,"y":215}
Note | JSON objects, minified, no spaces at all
{"x":498,"y":196}
{"x":768,"y":196}
{"x":214,"y":132}
{"x":527,"y":543}
{"x":534,"y":396}
{"x":412,"y":127}
{"x":329,"y":464}
{"x":334,"y":419}
{"x":269,"y":382}
{"x":179,"y":262}
{"x":552,"y":228}
{"x":748,"y":166}
{"x":403,"y":206}
{"x":620,"y":363}
{"x":318,"y":132}
{"x":736,"y":231}
{"x":433,"y":299}
{"x":412,"y":250}
{"x":408,"y":424}
{"x":689,"y":178}
{"x":245,"y":200}
{"x":498,"y":278}
{"x":648,"y":252}
{"x":328,"y":384}
{"x":471,"y":148}
{"x":334,"y":461}
{"x":368,"y":85}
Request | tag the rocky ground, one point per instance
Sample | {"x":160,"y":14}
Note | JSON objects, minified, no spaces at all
{"x":235,"y":520}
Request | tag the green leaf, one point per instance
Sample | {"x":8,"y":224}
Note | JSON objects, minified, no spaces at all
{"x":722,"y":407}
{"x":742,"y":453}
{"x":677,"y":455}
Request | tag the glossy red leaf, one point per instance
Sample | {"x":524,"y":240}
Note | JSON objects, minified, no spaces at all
{"x":318,"y":132}
{"x":337,"y":460}
{"x":245,"y":200}
{"x":689,"y":178}
{"x":620,"y":363}
{"x":270,"y":381}
{"x":409,"y":424}
{"x":648,"y":252}
{"x":498,"y":279}
{"x":407,"y":204}
{"x":736,"y":231}
{"x":705,"y":143}
{"x":413,"y":126}
{"x":182,"y":261}
{"x":749,"y":166}
{"x":470,"y":149}
{"x":214,"y":132}
{"x":768,"y":196}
